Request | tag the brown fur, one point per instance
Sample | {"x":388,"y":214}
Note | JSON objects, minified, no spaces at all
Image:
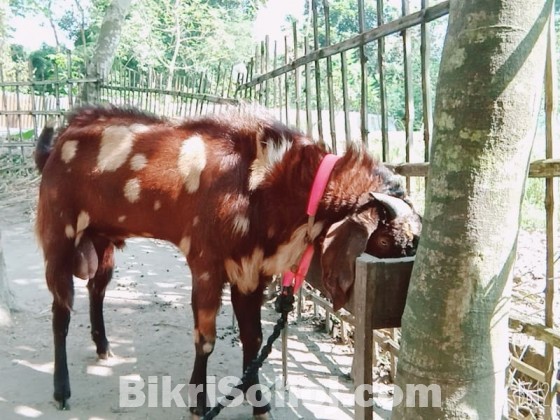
{"x":236,"y":218}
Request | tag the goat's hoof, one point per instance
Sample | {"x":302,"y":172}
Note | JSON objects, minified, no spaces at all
{"x":63,"y":405}
{"x":105,"y":355}
{"x":198,"y":413}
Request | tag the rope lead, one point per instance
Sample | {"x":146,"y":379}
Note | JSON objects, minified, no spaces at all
{"x":284,"y":305}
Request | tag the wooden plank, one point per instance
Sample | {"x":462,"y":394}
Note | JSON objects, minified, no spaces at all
{"x":551,"y":359}
{"x":363,"y":334}
{"x":534,"y":329}
{"x":528,"y":370}
{"x":427,"y":15}
{"x":538,"y":169}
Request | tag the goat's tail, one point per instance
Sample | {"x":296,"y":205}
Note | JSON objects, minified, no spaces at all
{"x":44,"y":145}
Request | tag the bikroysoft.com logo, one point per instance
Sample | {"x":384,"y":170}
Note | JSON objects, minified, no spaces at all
{"x":160,"y":391}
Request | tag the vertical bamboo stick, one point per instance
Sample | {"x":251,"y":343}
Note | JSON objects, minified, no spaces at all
{"x":296,"y":76}
{"x":18,"y":108}
{"x":277,"y":84}
{"x":309,"y":117}
{"x":318,"y":99}
{"x":408,"y":91}
{"x":286,"y":85}
{"x":32,"y":98}
{"x":266,"y":57}
{"x":345,"y":104}
{"x":382,"y":93}
{"x":330,"y":86}
{"x":363,"y":70}
{"x":5,"y":104}
{"x":551,"y":358}
{"x":426,"y":89}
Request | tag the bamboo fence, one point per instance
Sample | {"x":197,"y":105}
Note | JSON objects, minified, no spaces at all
{"x":304,"y":81}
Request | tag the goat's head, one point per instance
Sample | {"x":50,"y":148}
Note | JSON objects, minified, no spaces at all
{"x":384,"y":226}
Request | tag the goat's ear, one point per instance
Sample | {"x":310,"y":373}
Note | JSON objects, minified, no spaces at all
{"x":343,"y":243}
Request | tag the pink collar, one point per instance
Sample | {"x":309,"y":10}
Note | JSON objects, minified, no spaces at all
{"x":295,"y":277}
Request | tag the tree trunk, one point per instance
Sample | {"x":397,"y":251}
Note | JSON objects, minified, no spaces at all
{"x":107,"y":44}
{"x":6,"y":298}
{"x":455,"y":324}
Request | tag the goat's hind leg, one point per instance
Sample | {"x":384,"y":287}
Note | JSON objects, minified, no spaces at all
{"x":61,"y":285}
{"x":104,"y":252}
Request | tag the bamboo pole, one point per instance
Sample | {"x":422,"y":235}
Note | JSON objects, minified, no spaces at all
{"x":363,"y":72}
{"x":266,"y":57}
{"x":286,"y":85}
{"x":382,"y":92}
{"x":318,"y":96}
{"x":296,"y":76}
{"x":330,"y":86}
{"x":345,"y":103}
{"x":427,"y":15}
{"x":408,"y":91}
{"x":309,"y":118}
{"x":551,"y":357}
{"x":426,"y":90}
{"x":277,"y":86}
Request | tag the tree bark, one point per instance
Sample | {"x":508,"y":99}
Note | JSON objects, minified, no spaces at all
{"x":107,"y":43}
{"x":455,"y":324}
{"x":6,"y":298}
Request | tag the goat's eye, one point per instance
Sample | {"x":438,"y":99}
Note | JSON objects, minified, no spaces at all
{"x":384,"y":242}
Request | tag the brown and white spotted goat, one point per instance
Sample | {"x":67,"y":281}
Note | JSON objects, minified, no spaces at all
{"x":230,"y":191}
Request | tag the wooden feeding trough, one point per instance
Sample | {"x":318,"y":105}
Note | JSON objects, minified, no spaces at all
{"x":377,"y":301}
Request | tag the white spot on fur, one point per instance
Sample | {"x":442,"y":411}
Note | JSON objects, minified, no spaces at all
{"x":157,"y":205}
{"x":205,"y":276}
{"x":121,"y":218}
{"x":192,"y":161}
{"x":138,"y":162}
{"x":241,"y":225}
{"x":81,"y":225}
{"x":68,"y":150}
{"x":69,"y":231}
{"x":139,"y":128}
{"x":288,"y":253}
{"x":83,"y":221}
{"x":207,"y":348}
{"x":185,"y":245}
{"x":132,"y":190}
{"x":196,"y":220}
{"x":269,"y":153}
{"x":245,"y":274}
{"x":116,"y":145}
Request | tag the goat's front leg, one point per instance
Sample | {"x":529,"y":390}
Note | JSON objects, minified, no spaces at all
{"x":247,"y":309}
{"x":206,"y":296}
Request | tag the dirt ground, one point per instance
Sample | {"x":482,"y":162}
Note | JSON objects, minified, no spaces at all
{"x":149,"y":324}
